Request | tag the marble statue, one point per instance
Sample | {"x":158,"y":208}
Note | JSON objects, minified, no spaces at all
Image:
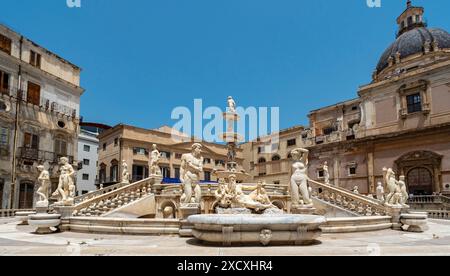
{"x":231,"y":105}
{"x":260,"y":195}
{"x":66,"y":187}
{"x":155,"y":155}
{"x":220,"y":194}
{"x":191,"y":167}
{"x":394,"y":196}
{"x":44,"y":185}
{"x":403,"y":191}
{"x":125,"y":173}
{"x":299,"y":179}
{"x":356,"y":190}
{"x":241,"y":200}
{"x":380,"y":192}
{"x":326,"y":173}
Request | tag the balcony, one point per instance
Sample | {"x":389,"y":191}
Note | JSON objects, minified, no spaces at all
{"x":40,"y":155}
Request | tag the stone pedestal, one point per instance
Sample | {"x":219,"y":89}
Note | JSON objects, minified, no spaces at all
{"x":43,"y":221}
{"x":414,"y":222}
{"x":64,"y":211}
{"x":23,"y":217}
{"x":187,"y":211}
{"x":395,"y":213}
{"x":303,"y":210}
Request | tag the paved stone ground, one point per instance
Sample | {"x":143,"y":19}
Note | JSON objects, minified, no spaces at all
{"x":19,"y":240}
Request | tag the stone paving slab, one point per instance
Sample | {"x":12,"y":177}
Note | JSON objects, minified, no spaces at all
{"x":19,"y":240}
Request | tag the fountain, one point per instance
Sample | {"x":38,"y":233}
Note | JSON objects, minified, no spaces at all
{"x":251,"y":218}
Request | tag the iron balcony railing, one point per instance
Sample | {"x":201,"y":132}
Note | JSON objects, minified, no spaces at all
{"x":40,"y":155}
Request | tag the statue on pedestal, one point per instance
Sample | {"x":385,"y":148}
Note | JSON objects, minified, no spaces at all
{"x":231,"y":105}
{"x":403,"y":191}
{"x":326,"y":173}
{"x":394,"y":196}
{"x":66,"y":187}
{"x":299,"y":181}
{"x":44,"y":185}
{"x":155,"y":155}
{"x":380,"y":192}
{"x":125,"y":173}
{"x":191,"y":167}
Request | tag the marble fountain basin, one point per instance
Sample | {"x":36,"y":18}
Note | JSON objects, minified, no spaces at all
{"x":247,"y":229}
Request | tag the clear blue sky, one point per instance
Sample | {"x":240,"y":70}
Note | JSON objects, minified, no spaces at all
{"x":296,"y":54}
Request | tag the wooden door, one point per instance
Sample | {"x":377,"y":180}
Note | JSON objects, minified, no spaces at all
{"x":34,"y":93}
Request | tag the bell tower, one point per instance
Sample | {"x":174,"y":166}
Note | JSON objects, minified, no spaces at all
{"x":410,"y":19}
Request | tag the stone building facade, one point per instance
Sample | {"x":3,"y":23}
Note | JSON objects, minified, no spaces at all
{"x":39,"y":115}
{"x":400,"y":120}
{"x":134,"y":145}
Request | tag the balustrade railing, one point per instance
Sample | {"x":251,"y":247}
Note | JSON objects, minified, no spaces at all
{"x":105,"y":203}
{"x":347,"y":200}
{"x":94,"y":194}
{"x":6,"y":213}
{"x":439,"y":214}
{"x":429,"y":199}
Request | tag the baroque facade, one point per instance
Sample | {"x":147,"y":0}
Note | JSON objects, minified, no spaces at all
{"x":39,"y":116}
{"x":400,"y":120}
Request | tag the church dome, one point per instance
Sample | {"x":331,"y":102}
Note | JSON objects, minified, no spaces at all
{"x":412,"y":42}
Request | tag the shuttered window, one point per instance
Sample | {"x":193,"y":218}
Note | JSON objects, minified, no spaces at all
{"x":5,"y":44}
{"x":35,"y":59}
{"x":4,"y":83}
{"x":34,"y":93}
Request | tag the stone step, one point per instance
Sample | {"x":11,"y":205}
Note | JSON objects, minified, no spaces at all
{"x":101,"y":225}
{"x":356,"y":224}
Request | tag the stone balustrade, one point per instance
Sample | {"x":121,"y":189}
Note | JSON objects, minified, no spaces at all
{"x":429,"y":199}
{"x":91,"y":195}
{"x":6,"y":213}
{"x":104,"y":203}
{"x":347,"y":200}
{"x":439,"y":214}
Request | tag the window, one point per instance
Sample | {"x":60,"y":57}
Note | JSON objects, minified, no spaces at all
{"x":352,"y":171}
{"x":261,"y":160}
{"x":178,"y":155}
{"x":417,"y":18}
{"x":275,"y":147}
{"x":276,"y":158}
{"x":207,"y":176}
{"x":414,"y":103}
{"x":4,"y":83}
{"x":26,"y":195}
{"x":4,"y":137}
{"x":165,"y":172}
{"x":86,"y":162}
{"x":291,"y":142}
{"x":139,"y":172}
{"x":320,"y":173}
{"x":35,"y":59}
{"x":114,"y":171}
{"x":85,"y":176}
{"x":328,"y":130}
{"x":410,"y":20}
{"x":220,"y":162}
{"x":2,"y":184}
{"x":207,"y":161}
{"x":276,"y":182}
{"x":177,"y":173}
{"x":5,"y":44}
{"x":260,"y":149}
{"x":140,"y":151}
{"x":86,"y":148}
{"x":165,"y":154}
{"x":34,"y":93}
{"x":60,"y":147}
{"x":31,"y":141}
{"x":116,"y":142}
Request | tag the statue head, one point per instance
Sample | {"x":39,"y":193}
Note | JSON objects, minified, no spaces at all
{"x":379,"y":184}
{"x":40,"y":168}
{"x":402,"y":178}
{"x":154,"y":147}
{"x":232,"y":178}
{"x":325,"y":163}
{"x":197,"y":149}
{"x":230,"y":98}
{"x":64,"y":160}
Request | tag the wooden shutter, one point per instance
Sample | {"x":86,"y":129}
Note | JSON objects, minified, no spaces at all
{"x":5,"y":44}
{"x":34,"y":93}
{"x":27,"y":140}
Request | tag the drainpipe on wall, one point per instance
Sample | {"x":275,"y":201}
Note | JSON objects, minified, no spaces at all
{"x":11,"y":203}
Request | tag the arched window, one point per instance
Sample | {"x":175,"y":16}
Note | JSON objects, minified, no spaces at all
{"x":276,"y":158}
{"x":262,"y":160}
